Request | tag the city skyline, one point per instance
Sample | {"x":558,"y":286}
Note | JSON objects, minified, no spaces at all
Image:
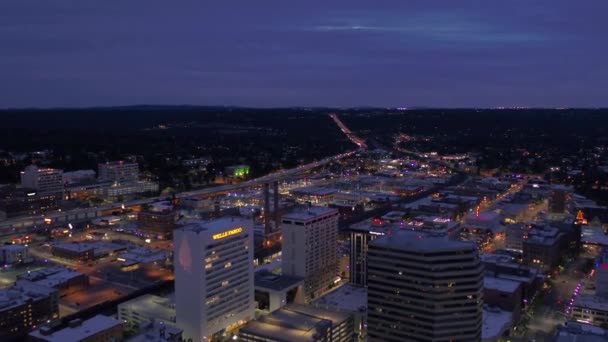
{"x":342,"y":54}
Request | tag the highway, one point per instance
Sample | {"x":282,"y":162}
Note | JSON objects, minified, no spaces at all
{"x":356,"y":140}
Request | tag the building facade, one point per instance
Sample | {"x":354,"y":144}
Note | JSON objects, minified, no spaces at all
{"x":159,"y":224}
{"x":99,"y":328}
{"x":45,"y":181}
{"x":118,"y":171}
{"x":423,"y":287}
{"x":24,"y":306}
{"x":138,"y":312}
{"x":300,"y":323}
{"x":310,"y":251}
{"x":214,"y":282}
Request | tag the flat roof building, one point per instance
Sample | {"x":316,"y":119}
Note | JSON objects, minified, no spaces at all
{"x":138,"y":312}
{"x":46,"y":181}
{"x":310,"y":247}
{"x":579,"y":332}
{"x":423,"y":287}
{"x":97,"y":329}
{"x":118,"y":171}
{"x":25,"y":305}
{"x":300,"y":323}
{"x":214,"y":283}
{"x":273,"y":291}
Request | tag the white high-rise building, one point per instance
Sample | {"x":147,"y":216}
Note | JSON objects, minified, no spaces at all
{"x":118,"y":171}
{"x":46,"y":181}
{"x":310,"y":247}
{"x":214,"y":290}
{"x":423,"y":288}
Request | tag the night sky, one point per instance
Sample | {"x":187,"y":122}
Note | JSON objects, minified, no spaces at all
{"x":304,"y":53}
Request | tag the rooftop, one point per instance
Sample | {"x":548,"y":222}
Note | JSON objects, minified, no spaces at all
{"x":154,"y":306}
{"x":22,"y":291}
{"x":215,"y":225}
{"x":13,"y":248}
{"x":495,"y":258}
{"x":267,"y":280}
{"x":144,"y":255}
{"x":500,"y":284}
{"x":375,"y":225}
{"x":421,"y":242}
{"x":495,"y":322}
{"x":50,"y":276}
{"x":309,"y":213}
{"x":157,"y":331}
{"x":394,"y":216}
{"x":99,"y":247}
{"x":87,"y":328}
{"x":347,"y":297}
{"x":313,"y":191}
{"x":579,"y":332}
{"x":294,"y":323}
{"x":591,"y":302}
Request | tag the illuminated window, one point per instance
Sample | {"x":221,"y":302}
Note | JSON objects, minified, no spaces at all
{"x":228,"y":264}
{"x":208,"y":266}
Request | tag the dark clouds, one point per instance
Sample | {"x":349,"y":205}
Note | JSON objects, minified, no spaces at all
{"x":282,"y":53}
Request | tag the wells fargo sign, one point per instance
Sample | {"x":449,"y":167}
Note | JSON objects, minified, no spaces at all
{"x":227,"y":233}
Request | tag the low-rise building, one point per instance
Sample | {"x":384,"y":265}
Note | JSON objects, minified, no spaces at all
{"x":273,"y":291}
{"x":24,"y":201}
{"x":64,"y":280}
{"x":157,"y":331}
{"x":24,"y":306}
{"x":85,"y":251}
{"x":14,"y":254}
{"x":503,"y":293}
{"x":138,"y":312}
{"x":300,"y":323}
{"x":407,"y":190}
{"x":97,"y":329}
{"x":504,"y":267}
{"x":75,"y":251}
{"x":579,"y":332}
{"x":590,"y":309}
{"x":496,"y":324}
{"x":128,"y":190}
{"x":314,"y":195}
{"x":157,"y":223}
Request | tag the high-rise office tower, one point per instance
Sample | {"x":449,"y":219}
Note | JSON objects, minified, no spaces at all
{"x":118,"y":171}
{"x":310,"y":250}
{"x":214,"y":291}
{"x":423,"y":288}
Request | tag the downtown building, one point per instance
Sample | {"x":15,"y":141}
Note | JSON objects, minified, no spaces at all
{"x":118,"y":171}
{"x":47,"y":184}
{"x":424,"y":287}
{"x":310,"y":250}
{"x":45,"y":181}
{"x":24,"y":306}
{"x":214,"y":281}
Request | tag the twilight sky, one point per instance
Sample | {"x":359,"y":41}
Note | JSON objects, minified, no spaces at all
{"x":439,"y":53}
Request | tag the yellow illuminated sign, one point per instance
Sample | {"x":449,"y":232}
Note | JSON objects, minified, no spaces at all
{"x":227,"y":233}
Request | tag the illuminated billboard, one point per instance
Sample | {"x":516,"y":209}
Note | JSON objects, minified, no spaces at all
{"x":227,"y":233}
